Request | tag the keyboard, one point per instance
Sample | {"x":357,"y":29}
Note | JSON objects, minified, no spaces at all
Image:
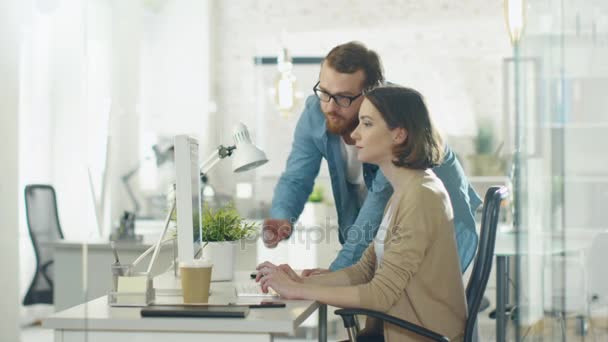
{"x":252,"y":289}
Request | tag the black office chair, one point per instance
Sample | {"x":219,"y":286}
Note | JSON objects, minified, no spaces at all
{"x":475,"y":288}
{"x":43,"y":226}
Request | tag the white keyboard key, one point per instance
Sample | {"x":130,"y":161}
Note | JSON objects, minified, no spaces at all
{"x":252,"y":289}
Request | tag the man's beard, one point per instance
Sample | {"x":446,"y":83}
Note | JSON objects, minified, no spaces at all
{"x":341,"y":126}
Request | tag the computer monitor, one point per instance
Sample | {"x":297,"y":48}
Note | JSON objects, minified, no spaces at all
{"x":187,"y":195}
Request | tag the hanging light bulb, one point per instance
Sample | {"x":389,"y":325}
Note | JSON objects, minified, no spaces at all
{"x":285,"y":85}
{"x":515,"y":16}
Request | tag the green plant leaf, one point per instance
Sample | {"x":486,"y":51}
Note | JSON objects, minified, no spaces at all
{"x":224,"y":224}
{"x":484,"y":141}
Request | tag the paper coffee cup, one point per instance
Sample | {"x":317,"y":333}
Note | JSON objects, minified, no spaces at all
{"x":196,"y":279}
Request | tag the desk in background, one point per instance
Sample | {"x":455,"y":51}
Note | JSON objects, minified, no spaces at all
{"x":68,"y":287}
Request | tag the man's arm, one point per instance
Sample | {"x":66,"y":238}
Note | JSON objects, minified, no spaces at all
{"x":464,"y":203}
{"x":297,"y":181}
{"x":361,"y":233}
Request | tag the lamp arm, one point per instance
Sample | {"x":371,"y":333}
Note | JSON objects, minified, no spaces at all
{"x":210,"y":159}
{"x":125,"y":181}
{"x":130,"y":174}
{"x":217,"y":155}
{"x":210,"y":166}
{"x":160,"y":238}
{"x":224,"y":151}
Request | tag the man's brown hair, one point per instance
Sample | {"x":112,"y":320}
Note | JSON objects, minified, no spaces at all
{"x":405,"y":108}
{"x":351,"y":57}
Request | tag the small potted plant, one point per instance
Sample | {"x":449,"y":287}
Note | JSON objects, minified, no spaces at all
{"x":487,"y":160}
{"x":222,"y":228}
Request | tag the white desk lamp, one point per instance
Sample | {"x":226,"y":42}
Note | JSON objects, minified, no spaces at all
{"x":247,"y":156}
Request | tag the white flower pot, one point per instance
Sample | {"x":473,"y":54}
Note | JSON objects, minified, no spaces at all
{"x":221,"y":254}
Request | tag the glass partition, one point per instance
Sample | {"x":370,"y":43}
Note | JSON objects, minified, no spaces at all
{"x":558,"y":109}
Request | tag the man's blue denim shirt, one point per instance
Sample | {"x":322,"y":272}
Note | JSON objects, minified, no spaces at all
{"x":358,"y":224}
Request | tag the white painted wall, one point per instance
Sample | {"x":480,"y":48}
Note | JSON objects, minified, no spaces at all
{"x":10,"y":18}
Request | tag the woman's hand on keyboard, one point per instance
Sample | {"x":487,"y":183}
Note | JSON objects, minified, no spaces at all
{"x":267,"y":266}
{"x":278,"y":279}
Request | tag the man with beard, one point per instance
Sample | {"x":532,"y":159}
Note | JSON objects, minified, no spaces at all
{"x":360,"y":190}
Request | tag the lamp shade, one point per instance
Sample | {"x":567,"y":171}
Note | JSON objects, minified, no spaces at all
{"x":247,"y":156}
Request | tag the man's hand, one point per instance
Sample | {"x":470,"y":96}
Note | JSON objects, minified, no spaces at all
{"x":314,"y":271}
{"x":274,"y":230}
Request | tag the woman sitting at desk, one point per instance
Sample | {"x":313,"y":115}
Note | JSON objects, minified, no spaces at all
{"x":411,"y":269}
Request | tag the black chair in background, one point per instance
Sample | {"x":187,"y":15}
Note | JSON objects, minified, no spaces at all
{"x":43,"y":226}
{"x":475,"y":288}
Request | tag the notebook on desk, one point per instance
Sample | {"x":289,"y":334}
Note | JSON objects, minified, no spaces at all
{"x":225,"y":311}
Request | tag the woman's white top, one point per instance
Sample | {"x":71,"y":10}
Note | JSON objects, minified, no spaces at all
{"x":354,"y":170}
{"x":380,"y":235}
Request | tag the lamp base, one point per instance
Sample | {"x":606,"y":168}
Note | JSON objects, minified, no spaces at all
{"x":126,"y":229}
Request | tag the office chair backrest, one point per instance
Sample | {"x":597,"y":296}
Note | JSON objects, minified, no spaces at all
{"x":485,"y":253}
{"x":43,"y":226}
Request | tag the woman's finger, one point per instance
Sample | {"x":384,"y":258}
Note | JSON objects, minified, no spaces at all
{"x":259,"y":276}
{"x":265,"y":264}
{"x":265,"y":283}
{"x":264,"y":270}
{"x":289,"y":271}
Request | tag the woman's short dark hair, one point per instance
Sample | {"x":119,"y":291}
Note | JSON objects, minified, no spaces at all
{"x":405,"y":108}
{"x":351,"y":57}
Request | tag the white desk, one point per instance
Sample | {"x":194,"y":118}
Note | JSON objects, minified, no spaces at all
{"x":100,"y":322}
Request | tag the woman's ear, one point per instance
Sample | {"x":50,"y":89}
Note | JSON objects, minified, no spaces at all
{"x":399,"y":135}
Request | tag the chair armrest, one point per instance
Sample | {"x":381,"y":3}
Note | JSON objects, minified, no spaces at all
{"x":348,"y":318}
{"x":44,"y":271}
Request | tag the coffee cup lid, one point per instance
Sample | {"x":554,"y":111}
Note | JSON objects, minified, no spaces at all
{"x":196,"y":263}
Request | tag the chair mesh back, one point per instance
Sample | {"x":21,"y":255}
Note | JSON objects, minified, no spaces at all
{"x":485,"y":253}
{"x":43,"y":226}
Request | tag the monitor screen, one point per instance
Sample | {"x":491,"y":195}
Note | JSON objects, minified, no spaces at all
{"x":188,"y":200}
